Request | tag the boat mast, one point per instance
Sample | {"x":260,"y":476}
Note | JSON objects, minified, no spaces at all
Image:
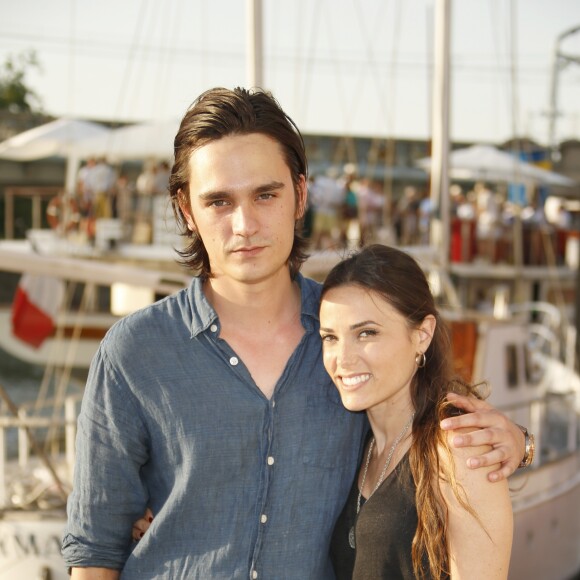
{"x":440,"y":222}
{"x":254,"y":42}
{"x":560,"y":62}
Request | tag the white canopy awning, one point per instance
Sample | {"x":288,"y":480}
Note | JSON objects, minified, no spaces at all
{"x":55,"y":139}
{"x":141,"y":141}
{"x":487,"y":163}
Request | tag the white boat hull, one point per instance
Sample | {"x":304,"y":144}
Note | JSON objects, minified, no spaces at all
{"x":30,"y":546}
{"x":547,"y":521}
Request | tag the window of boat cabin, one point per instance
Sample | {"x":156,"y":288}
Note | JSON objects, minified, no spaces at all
{"x":512,"y":366}
{"x":533,"y":369}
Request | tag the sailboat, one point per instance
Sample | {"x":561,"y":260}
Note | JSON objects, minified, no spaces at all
{"x":524,"y":360}
{"x":526,"y":352}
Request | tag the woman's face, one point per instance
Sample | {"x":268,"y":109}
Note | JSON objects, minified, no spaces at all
{"x":368,"y":349}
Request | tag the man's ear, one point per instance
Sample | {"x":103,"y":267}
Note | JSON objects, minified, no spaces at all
{"x":185,"y":207}
{"x":301,"y":197}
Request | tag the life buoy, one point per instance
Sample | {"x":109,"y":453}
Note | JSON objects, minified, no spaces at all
{"x":62,"y":213}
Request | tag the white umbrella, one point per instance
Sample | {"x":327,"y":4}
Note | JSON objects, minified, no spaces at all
{"x":141,"y":141}
{"x":59,"y":138}
{"x":487,"y":163}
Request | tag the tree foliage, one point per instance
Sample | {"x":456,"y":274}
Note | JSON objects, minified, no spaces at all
{"x":15,"y":94}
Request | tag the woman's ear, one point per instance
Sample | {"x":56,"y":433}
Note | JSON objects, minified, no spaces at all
{"x":425,"y":332}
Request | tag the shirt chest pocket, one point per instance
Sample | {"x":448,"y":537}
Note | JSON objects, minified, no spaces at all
{"x":331,"y":435}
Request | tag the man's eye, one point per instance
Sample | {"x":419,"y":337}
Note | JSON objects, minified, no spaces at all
{"x":266,"y":196}
{"x":218,"y":203}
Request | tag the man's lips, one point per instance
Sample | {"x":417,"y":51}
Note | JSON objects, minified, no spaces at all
{"x":247,"y":250}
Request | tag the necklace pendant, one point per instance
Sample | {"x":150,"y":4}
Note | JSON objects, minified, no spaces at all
{"x":351,"y":538}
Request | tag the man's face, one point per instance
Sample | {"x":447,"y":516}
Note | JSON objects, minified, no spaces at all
{"x":243,"y":206}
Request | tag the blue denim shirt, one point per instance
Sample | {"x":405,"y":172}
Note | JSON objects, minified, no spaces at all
{"x":241,"y":486}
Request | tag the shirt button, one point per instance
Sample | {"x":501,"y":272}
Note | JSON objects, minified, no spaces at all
{"x":270,"y":461}
{"x":254,"y":575}
{"x":264,"y":518}
{"x":213,"y":327}
{"x":273,"y":404}
{"x":234,"y":361}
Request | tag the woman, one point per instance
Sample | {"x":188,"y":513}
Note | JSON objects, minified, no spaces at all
{"x":415,"y":510}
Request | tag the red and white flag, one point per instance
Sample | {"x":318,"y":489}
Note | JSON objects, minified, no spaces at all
{"x":35,"y":308}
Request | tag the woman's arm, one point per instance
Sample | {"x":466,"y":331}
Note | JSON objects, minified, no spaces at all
{"x":94,"y":574}
{"x":504,"y":439}
{"x":479,"y":548}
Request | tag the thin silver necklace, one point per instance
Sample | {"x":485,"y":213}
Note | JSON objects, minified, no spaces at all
{"x":381,"y":477}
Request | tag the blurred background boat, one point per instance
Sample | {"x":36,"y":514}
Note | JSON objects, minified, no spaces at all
{"x":112,"y":265}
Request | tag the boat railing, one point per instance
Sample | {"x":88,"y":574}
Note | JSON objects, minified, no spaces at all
{"x":56,"y":462}
{"x":554,"y":421}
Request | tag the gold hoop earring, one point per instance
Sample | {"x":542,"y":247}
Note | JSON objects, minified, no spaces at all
{"x":420,"y":359}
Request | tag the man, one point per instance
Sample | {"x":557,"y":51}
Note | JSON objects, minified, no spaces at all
{"x":212,"y":406}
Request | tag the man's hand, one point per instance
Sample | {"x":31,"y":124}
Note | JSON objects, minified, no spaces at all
{"x":494,"y":429}
{"x":142,"y":525}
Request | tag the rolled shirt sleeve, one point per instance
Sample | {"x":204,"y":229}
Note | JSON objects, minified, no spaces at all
{"x":108,"y":493}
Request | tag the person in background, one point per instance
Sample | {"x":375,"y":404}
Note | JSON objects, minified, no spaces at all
{"x":415,"y":510}
{"x":488,"y":216}
{"x":85,"y":194}
{"x":327,"y":196}
{"x":349,"y":222}
{"x":101,"y":181}
{"x":407,"y":216}
{"x":370,"y":202}
{"x":212,"y":406}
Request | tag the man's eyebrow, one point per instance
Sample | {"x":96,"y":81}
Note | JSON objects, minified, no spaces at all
{"x":269,"y":187}
{"x":221,"y":194}
{"x":213,"y":195}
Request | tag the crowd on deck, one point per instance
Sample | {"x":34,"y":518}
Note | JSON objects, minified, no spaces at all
{"x":346,"y":210}
{"x":102,"y":192}
{"x":349,"y":211}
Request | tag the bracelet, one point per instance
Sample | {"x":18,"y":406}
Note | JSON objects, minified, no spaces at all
{"x":530,"y":448}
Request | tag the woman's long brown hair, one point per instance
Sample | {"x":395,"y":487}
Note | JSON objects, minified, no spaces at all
{"x":398,"y":279}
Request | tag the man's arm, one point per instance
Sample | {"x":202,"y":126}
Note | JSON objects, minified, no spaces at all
{"x":493,"y":428}
{"x":94,"y":574}
{"x":108,"y":492}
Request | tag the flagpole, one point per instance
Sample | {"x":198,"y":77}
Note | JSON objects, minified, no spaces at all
{"x":254,"y":41}
{"x":440,"y":223}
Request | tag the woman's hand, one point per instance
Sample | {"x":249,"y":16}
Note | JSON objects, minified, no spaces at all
{"x":142,"y":525}
{"x":493,"y":428}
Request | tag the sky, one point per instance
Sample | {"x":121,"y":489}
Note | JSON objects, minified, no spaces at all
{"x":342,"y":67}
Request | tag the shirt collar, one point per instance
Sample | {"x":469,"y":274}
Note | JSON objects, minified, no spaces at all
{"x":203,"y":314}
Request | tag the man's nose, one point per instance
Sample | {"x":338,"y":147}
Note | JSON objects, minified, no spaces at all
{"x":244,"y":221}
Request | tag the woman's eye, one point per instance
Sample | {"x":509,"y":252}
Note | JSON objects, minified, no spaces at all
{"x":327,"y":337}
{"x":367,"y":333}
